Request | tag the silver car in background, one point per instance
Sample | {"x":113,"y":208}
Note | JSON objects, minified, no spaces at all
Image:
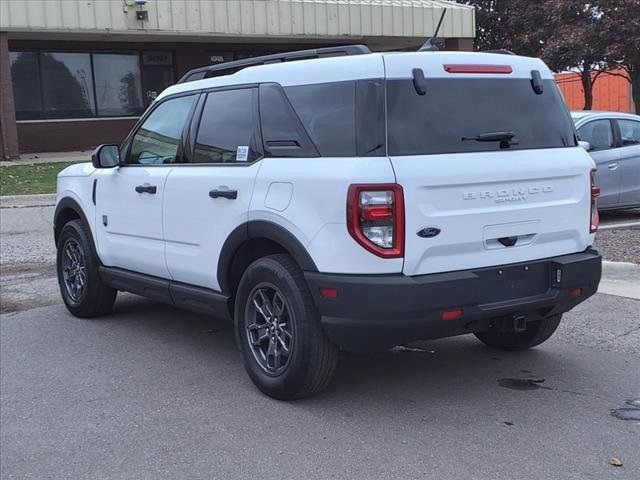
{"x":614,"y":144}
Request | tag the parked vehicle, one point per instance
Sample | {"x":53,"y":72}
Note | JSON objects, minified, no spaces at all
{"x":350,"y":201}
{"x":614,"y":144}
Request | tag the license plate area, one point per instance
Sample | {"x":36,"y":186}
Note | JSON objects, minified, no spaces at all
{"x":517,"y":281}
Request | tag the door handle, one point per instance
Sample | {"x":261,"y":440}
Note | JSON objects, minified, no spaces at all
{"x":613,"y":166}
{"x":230,"y":194}
{"x":146,"y":188}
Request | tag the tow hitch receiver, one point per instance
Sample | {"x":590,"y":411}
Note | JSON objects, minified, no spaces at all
{"x":519,"y":323}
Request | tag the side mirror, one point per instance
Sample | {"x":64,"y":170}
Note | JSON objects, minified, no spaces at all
{"x":585,"y":145}
{"x":106,"y":156}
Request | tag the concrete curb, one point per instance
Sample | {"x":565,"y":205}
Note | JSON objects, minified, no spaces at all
{"x":621,"y":279}
{"x":27,"y":201}
{"x":621,"y":225}
{"x":48,"y":157}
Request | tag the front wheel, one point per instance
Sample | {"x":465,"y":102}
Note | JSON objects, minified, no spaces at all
{"x":534,"y":334}
{"x":278,"y":332}
{"x":82,"y":289}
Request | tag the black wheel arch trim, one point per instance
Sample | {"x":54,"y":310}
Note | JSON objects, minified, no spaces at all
{"x":64,"y":204}
{"x":257,"y":229}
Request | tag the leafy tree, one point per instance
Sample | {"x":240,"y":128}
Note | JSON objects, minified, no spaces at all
{"x":509,"y":24}
{"x":622,"y":23}
{"x":567,"y":34}
{"x":577,"y":41}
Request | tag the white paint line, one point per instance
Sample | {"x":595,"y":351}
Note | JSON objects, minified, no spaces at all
{"x":611,"y":226}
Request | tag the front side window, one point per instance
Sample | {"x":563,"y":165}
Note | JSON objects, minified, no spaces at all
{"x":228,"y":128}
{"x":598,"y":133}
{"x":453,"y":113}
{"x":629,"y":132}
{"x":157,"y":141}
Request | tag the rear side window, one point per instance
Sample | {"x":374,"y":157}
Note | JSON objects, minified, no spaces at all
{"x":228,"y":128}
{"x":327,"y":112}
{"x":455,"y":108}
{"x":629,"y":132}
{"x":598,"y":133}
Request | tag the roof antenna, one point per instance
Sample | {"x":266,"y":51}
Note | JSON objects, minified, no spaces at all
{"x":430,"y":44}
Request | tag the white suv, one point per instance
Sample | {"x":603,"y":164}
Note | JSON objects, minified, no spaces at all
{"x":346,"y":200}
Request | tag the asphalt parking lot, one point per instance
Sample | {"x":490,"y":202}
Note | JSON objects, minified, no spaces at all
{"x":154,"y":392}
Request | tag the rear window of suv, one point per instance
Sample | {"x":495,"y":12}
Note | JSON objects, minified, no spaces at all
{"x":455,"y":108}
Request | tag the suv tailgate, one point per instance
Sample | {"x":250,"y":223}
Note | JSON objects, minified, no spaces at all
{"x":472,"y":200}
{"x":539,"y":199}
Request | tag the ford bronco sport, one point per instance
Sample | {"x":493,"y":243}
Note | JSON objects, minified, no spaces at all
{"x":341,"y":199}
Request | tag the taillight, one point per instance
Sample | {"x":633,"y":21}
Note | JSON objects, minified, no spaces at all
{"x":595,"y":193}
{"x":375,"y":218}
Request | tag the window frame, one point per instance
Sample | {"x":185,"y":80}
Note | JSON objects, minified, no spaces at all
{"x":618,"y":131}
{"x":615,"y":134}
{"x":91,"y":52}
{"x":305,"y":148}
{"x":192,"y":134}
{"x":125,"y":149}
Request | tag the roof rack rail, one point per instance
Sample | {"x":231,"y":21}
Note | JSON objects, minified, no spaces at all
{"x":502,"y":51}
{"x":228,"y":68}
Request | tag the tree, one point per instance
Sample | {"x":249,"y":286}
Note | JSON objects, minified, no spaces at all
{"x":509,"y":24}
{"x":578,"y":41}
{"x":566,"y":34}
{"x":622,"y":22}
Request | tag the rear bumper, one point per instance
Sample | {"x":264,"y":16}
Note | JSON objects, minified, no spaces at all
{"x":375,"y":312}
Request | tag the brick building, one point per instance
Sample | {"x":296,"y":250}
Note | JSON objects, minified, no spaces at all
{"x":77,"y":73}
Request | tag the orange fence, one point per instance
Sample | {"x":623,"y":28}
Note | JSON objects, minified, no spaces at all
{"x":610,"y":92}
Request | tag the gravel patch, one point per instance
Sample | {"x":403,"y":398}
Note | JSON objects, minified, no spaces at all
{"x":619,"y":245}
{"x":27,"y":236}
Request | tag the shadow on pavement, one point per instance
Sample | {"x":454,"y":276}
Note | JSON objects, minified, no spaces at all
{"x":427,"y":371}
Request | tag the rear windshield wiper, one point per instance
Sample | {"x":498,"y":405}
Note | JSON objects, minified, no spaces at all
{"x":503,"y":137}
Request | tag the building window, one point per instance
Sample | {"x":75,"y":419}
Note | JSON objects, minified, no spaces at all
{"x":67,"y":85}
{"x":27,"y":94}
{"x":118,"y":84}
{"x":52,"y":85}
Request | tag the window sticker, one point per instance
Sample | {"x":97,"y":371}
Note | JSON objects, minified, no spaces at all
{"x":242,"y":153}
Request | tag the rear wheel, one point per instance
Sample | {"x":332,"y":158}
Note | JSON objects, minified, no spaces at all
{"x":535,"y":333}
{"x":278,"y":332}
{"x":82,"y":290}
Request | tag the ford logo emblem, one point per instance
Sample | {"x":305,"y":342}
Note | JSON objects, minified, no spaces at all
{"x":428,"y":232}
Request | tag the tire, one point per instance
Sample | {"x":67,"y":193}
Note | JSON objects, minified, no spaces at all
{"x":536,"y":333}
{"x":82,"y":290}
{"x":302,"y":361}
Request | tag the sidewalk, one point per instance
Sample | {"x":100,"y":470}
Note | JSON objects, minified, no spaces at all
{"x":48,"y":157}
{"x":621,"y":279}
